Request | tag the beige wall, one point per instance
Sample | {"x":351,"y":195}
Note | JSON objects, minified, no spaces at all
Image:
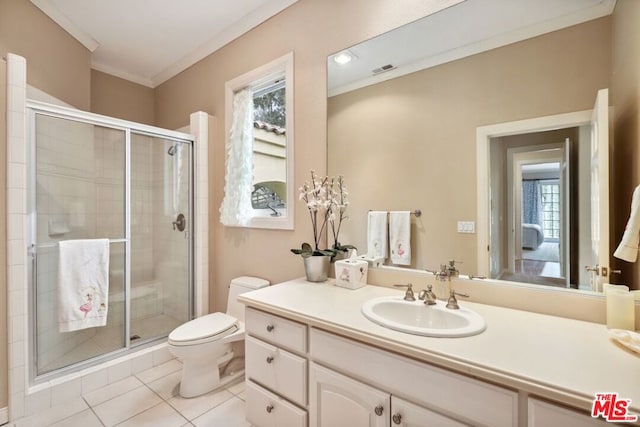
{"x":115,"y":97}
{"x":4,"y":369}
{"x":626,"y":129}
{"x":56,"y":62}
{"x":410,"y":142}
{"x":311,"y":29}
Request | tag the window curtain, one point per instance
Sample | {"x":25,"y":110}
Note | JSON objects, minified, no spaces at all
{"x":531,"y":202}
{"x":236,"y":205}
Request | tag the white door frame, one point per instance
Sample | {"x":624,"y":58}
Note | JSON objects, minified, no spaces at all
{"x":483,"y":175}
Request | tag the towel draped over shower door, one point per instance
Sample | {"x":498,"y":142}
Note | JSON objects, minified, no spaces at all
{"x":83,"y":284}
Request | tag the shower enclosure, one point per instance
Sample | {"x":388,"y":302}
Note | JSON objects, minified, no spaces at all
{"x":95,"y":177}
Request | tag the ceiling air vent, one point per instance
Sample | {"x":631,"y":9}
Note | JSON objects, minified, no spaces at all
{"x":383,"y":69}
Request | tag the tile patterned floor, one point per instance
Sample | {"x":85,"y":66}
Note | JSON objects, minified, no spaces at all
{"x":149,"y":398}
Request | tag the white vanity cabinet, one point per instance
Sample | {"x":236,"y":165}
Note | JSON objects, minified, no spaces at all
{"x":313,"y":359}
{"x":276,"y":370}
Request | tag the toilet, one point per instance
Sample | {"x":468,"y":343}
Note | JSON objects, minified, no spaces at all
{"x":204,"y":345}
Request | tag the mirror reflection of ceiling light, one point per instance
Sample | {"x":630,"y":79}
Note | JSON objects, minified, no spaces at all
{"x":343,"y":57}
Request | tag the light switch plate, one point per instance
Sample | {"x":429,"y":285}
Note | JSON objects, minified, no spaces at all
{"x":468,"y":227}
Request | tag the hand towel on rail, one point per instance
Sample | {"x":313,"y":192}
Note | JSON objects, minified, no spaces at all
{"x":628,"y":248}
{"x":400,"y":237}
{"x":83,"y":284}
{"x":377,"y":234}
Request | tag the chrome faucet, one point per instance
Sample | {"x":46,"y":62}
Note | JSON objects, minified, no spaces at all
{"x":428,"y":296}
{"x":452,"y":271}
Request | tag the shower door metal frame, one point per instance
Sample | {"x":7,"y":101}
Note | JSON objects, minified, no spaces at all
{"x":35,"y":107}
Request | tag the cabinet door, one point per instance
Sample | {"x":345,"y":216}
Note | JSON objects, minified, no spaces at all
{"x":407,"y":414}
{"x":339,"y":401}
{"x":544,"y":414}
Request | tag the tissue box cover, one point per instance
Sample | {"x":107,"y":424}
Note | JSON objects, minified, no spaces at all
{"x":351,"y":273}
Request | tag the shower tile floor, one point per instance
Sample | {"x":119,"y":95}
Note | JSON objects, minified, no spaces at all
{"x":149,"y":398}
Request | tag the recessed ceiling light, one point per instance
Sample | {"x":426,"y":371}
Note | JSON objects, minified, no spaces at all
{"x":343,"y":57}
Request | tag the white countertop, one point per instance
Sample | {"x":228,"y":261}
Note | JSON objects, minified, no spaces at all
{"x":561,"y":359}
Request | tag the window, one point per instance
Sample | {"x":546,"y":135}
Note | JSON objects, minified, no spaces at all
{"x":550,"y":193}
{"x":269,"y":148}
{"x":259,"y":133}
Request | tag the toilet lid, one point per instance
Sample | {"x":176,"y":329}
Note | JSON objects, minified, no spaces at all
{"x":215,"y":325}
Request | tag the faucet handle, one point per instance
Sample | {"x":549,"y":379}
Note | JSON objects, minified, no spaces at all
{"x":408,"y":295}
{"x":452,"y":302}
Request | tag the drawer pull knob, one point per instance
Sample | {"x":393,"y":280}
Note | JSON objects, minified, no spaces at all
{"x":269,"y":359}
{"x":379,"y":410}
{"x":269,"y":408}
{"x":397,"y":418}
{"x":270,"y":328}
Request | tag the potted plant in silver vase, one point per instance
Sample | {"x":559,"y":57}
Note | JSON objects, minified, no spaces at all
{"x":326,"y":201}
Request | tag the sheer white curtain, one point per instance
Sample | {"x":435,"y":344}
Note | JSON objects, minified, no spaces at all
{"x":236,"y":204}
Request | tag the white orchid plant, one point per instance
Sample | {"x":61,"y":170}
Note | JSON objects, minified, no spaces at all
{"x":327,"y":202}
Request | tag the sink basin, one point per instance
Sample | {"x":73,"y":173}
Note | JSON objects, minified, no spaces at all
{"x":414,"y":317}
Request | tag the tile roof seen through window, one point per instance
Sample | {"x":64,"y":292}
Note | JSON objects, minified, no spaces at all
{"x":269,"y":128}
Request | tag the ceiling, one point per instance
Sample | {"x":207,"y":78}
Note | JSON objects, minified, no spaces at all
{"x":150,"y":41}
{"x":467,"y":28}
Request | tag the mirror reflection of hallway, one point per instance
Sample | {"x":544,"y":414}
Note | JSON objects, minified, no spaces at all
{"x":539,"y":185}
{"x":578,"y":217}
{"x":537,"y":194}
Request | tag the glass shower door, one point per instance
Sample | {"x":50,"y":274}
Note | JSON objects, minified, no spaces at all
{"x":78,"y":192}
{"x":161,"y":235}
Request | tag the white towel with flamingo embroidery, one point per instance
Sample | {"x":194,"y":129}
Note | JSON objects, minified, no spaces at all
{"x":377,"y":234}
{"x":400,"y":237}
{"x":83,"y":284}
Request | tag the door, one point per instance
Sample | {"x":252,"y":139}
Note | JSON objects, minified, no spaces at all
{"x":77,"y":191}
{"x":565,"y":212}
{"x":600,"y":192}
{"x":161,"y":230}
{"x":407,"y":414}
{"x":339,"y":401}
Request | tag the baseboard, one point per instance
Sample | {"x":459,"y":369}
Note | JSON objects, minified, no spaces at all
{"x":4,"y":415}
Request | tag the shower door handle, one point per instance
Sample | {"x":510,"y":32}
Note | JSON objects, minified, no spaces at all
{"x":180,"y":223}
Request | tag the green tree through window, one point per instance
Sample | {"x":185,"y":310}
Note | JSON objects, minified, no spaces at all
{"x":270,"y":108}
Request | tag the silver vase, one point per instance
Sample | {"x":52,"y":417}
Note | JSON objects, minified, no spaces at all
{"x":317,"y":268}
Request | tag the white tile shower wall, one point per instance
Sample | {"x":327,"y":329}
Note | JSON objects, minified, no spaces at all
{"x":16,"y":243}
{"x":202,"y":127}
{"x":170,"y":198}
{"x":142,"y":250}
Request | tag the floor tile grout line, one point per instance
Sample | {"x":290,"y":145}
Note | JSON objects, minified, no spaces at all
{"x":114,"y":397}
{"x":148,"y":409}
{"x":213,"y":407}
{"x":233,"y":396}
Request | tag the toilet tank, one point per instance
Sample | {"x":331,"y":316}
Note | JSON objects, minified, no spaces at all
{"x":238,"y":286}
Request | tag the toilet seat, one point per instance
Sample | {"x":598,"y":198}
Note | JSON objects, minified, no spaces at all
{"x":211,"y":327}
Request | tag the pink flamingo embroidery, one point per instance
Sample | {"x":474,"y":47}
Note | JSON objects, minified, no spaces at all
{"x":87,"y":306}
{"x":400,"y":250}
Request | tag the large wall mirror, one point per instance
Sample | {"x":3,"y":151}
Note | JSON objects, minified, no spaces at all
{"x":404,"y":113}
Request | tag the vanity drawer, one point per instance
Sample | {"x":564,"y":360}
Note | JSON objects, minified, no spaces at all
{"x":277,"y":369}
{"x":282,"y":332}
{"x":265,"y":409}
